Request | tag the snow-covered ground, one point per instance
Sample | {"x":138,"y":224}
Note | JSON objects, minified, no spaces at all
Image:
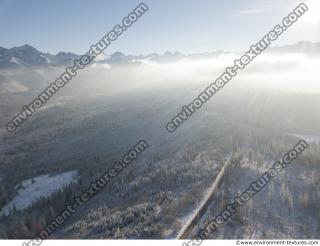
{"x":39,"y":187}
{"x":308,"y":138}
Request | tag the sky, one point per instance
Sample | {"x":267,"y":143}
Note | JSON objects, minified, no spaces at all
{"x":188,"y":26}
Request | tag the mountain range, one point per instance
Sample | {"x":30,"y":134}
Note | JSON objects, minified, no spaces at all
{"x":27,"y":56}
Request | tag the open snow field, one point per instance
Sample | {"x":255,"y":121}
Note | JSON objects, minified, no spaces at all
{"x":42,"y":186}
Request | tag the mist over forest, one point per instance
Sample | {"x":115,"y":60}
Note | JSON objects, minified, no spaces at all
{"x":119,"y":99}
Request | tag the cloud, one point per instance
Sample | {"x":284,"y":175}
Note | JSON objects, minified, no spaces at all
{"x":289,"y":72}
{"x":265,"y":6}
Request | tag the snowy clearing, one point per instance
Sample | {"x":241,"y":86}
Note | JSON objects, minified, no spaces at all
{"x":308,"y":138}
{"x":32,"y":190}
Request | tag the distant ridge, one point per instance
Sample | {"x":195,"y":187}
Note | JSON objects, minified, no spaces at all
{"x":28,"y":56}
